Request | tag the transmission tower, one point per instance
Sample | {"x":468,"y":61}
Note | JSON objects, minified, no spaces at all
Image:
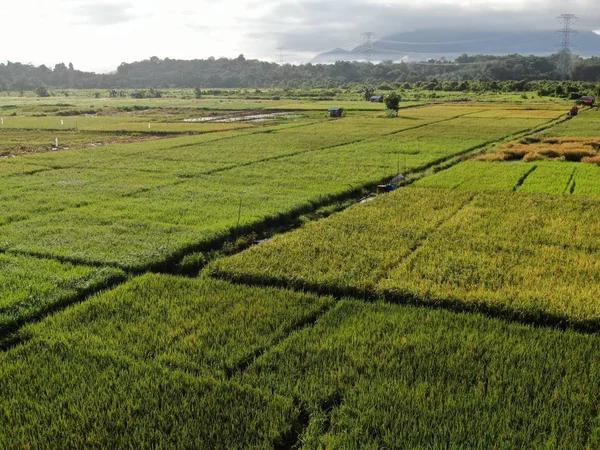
{"x":567,"y":21}
{"x":368,"y":44}
{"x":281,"y":49}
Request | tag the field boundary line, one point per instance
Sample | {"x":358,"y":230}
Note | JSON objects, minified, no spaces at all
{"x":421,"y":242}
{"x":62,"y":259}
{"x":11,"y":335}
{"x":570,"y":186}
{"x":523,"y":178}
{"x":309,"y":322}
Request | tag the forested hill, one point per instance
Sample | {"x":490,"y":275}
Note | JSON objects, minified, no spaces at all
{"x":437,"y":43}
{"x":242,"y":73}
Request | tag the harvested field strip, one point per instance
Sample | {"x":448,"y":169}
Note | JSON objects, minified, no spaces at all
{"x":561,"y":149}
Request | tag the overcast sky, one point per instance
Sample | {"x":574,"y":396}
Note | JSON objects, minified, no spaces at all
{"x":100,"y":34}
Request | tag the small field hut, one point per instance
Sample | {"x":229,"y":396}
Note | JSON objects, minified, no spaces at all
{"x":336,"y":111}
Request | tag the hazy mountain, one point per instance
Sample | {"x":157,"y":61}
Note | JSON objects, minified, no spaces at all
{"x":426,"y":44}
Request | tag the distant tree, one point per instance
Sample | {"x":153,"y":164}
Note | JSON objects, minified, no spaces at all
{"x":392,"y":101}
{"x":42,"y":91}
{"x":367,"y":92}
{"x":198,"y":93}
{"x":463,"y":86}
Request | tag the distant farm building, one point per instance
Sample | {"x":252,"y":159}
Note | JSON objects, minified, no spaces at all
{"x":377,"y":99}
{"x":587,"y":100}
{"x":336,"y":111}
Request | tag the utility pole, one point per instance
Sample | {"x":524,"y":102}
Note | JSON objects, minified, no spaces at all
{"x":567,"y":21}
{"x":368,"y":44}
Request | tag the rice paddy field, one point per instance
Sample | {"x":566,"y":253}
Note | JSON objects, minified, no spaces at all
{"x":459,"y":311}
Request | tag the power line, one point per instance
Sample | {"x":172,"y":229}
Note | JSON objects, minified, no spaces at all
{"x":368,"y":43}
{"x":567,"y":20}
{"x":467,"y":41}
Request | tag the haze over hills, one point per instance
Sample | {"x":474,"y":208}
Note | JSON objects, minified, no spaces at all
{"x":426,"y":44}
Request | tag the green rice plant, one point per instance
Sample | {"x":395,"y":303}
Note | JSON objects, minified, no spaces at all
{"x":57,"y":395}
{"x":388,"y":376}
{"x":537,"y":177}
{"x":480,"y":176}
{"x":551,"y":178}
{"x":582,"y":126}
{"x":145,"y":155}
{"x":110,"y":372}
{"x":529,"y":257}
{"x":39,"y":192}
{"x":514,"y":112}
{"x":586,"y":182}
{"x":349,"y":251}
{"x":206,"y":326}
{"x":31,"y":287}
{"x":145,"y":205}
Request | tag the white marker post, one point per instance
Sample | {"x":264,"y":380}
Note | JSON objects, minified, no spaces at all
{"x":56,"y":142}
{"x":2,"y":120}
{"x":62,"y":122}
{"x":149,"y":126}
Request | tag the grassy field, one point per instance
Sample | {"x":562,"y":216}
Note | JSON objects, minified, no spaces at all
{"x":458,"y":312}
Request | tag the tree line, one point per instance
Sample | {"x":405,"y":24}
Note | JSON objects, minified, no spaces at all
{"x":242,"y":73}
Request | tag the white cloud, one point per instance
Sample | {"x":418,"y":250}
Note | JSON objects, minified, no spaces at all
{"x":100,"y":34}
